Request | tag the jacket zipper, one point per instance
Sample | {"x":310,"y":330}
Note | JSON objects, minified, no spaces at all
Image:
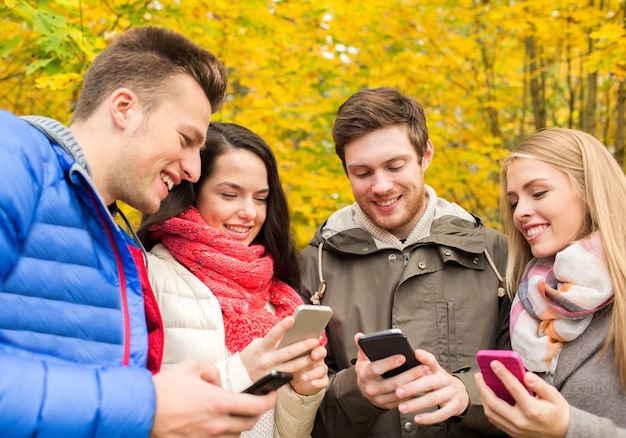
{"x":120,"y":270}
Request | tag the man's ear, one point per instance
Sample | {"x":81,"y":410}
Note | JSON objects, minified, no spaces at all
{"x":121,"y":105}
{"x":428,"y":155}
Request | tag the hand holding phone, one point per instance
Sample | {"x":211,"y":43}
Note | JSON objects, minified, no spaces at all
{"x":385,"y":343}
{"x":268,"y":383}
{"x":511,"y":360}
{"x":310,"y":322}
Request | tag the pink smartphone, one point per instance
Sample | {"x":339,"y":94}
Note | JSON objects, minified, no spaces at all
{"x":511,"y":360}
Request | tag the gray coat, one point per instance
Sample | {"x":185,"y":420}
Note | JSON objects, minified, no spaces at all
{"x":440,"y":291}
{"x":591,"y":384}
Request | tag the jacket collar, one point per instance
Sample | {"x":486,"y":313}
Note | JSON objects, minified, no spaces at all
{"x":453,"y":227}
{"x":60,"y":135}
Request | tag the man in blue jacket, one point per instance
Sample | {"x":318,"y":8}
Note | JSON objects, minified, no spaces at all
{"x":73,"y":331}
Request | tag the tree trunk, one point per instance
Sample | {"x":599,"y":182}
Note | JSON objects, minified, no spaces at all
{"x":539,"y":105}
{"x":620,"y":128}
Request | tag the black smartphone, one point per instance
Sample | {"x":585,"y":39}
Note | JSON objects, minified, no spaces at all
{"x":268,"y":383}
{"x":385,"y":343}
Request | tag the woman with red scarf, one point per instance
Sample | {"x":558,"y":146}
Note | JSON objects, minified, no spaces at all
{"x":225,"y":272}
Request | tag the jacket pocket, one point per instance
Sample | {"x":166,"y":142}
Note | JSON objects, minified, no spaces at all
{"x":451,"y":335}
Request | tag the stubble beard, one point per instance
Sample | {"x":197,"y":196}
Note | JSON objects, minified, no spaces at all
{"x":412,"y":213}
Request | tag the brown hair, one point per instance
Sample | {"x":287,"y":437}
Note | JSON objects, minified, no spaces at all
{"x":144,"y":59}
{"x":274,"y":235}
{"x":369,"y":110}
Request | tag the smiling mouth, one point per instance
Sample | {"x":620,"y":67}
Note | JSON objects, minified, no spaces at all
{"x":168,"y":181}
{"x":535,"y":230}
{"x":237,"y":229}
{"x":387,"y":203}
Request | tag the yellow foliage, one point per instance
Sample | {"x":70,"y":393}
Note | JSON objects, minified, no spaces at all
{"x":292,"y":63}
{"x":59,"y":81}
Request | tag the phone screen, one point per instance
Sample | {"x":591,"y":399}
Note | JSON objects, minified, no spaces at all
{"x":386,"y":343}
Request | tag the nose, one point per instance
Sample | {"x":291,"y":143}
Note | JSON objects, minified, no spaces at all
{"x":247,"y":210}
{"x":382,"y":184}
{"x":523,"y":209}
{"x":190,"y":165}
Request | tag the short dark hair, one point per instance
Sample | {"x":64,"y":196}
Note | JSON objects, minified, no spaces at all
{"x":275,"y":234}
{"x":376,"y":108}
{"x":144,"y":59}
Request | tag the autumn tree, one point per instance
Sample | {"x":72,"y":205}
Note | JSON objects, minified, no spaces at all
{"x":487,"y":72}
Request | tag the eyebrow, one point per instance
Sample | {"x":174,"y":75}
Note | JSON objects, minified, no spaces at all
{"x":399,"y":157}
{"x":528,"y":184}
{"x":232,"y":185}
{"x":194,"y":133}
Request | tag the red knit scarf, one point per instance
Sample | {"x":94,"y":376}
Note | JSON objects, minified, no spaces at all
{"x":241,"y":277}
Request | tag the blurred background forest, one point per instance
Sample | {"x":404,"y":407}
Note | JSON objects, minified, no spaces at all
{"x":487,"y":72}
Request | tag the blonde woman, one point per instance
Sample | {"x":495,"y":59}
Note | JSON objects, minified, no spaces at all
{"x":563,"y":199}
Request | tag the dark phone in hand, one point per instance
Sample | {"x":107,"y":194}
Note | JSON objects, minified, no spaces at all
{"x":268,"y":383}
{"x":385,"y":343}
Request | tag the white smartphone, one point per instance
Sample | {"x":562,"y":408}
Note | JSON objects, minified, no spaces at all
{"x":310,"y":321}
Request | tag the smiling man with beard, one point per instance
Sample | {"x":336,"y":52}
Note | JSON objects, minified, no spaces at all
{"x":402,"y":257}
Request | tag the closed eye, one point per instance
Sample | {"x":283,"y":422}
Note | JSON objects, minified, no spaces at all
{"x":186,"y":140}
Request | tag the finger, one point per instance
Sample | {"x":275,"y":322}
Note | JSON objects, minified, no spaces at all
{"x":248,"y":405}
{"x":298,"y":352}
{"x":427,"y":359}
{"x":317,"y":372}
{"x":542,"y":388}
{"x":437,"y":416}
{"x":496,"y":409}
{"x":208,"y":373}
{"x":277,"y":332}
{"x":486,"y":394}
{"x":381,"y":366}
{"x":517,"y":390}
{"x":360,"y":354}
{"x":318,"y":353}
{"x":320,"y":383}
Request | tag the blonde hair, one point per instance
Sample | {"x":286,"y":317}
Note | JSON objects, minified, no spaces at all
{"x":602,"y":185}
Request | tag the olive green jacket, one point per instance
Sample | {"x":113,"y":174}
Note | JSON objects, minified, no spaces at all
{"x":441,"y":291}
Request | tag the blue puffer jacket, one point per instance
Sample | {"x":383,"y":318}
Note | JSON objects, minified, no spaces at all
{"x":73,"y":339}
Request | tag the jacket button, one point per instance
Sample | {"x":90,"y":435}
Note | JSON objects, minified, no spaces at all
{"x":409,"y":427}
{"x":392,"y":257}
{"x":422,"y":265}
{"x":447,"y":252}
{"x":475,"y":260}
{"x":365,"y":249}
